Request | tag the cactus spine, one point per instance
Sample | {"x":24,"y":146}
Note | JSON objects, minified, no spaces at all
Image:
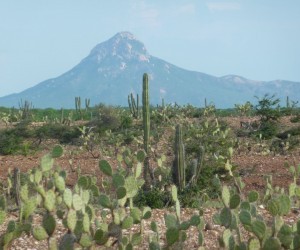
{"x":179,"y":161}
{"x":134,"y":105}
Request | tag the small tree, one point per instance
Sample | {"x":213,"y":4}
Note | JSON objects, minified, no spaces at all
{"x":269,"y":111}
{"x":268,"y":108}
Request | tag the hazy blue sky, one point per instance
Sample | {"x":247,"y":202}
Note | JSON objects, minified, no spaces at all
{"x":257,"y":39}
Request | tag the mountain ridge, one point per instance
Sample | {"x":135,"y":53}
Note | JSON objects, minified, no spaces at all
{"x":114,"y":68}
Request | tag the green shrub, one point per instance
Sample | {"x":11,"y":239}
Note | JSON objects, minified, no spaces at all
{"x":64,"y":133}
{"x":268,"y":108}
{"x":268,"y":130}
{"x":126,"y":121}
{"x":154,"y":198}
{"x":295,"y":118}
{"x":107,"y":118}
{"x":292,"y":132}
{"x":10,"y":142}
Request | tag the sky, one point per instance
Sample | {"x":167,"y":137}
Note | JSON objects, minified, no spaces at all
{"x":256,"y":39}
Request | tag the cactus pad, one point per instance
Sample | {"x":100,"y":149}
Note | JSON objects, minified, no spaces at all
{"x":68,"y":197}
{"x":104,"y":201}
{"x":121,"y":192}
{"x":50,"y":200}
{"x":253,"y":244}
{"x":259,"y":228}
{"x":77,"y":202}
{"x":85,"y":240}
{"x":46,"y":163}
{"x":234,"y":201}
{"x":57,"y":151}
{"x":127,"y":222}
{"x":71,"y":219}
{"x":39,"y":233}
{"x":272,"y":243}
{"x":195,"y":220}
{"x":105,"y":167}
{"x":172,"y":235}
{"x":49,"y":223}
{"x":226,"y":196}
{"x":285,"y":236}
{"x":225,"y":217}
{"x":60,"y":183}
{"x":118,"y":180}
{"x":245,"y":217}
{"x":100,"y":237}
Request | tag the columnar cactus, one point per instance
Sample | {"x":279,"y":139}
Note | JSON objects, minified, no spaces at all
{"x":179,"y":161}
{"x":134,"y":105}
{"x":78,"y":103}
{"x":146,"y":113}
{"x":87,"y":103}
{"x":146,"y":126}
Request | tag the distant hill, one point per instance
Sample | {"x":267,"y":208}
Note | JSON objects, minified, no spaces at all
{"x":114,"y":68}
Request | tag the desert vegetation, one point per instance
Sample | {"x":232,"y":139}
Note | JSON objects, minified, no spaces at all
{"x":165,"y":159}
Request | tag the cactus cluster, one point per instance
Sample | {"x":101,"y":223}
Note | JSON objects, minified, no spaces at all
{"x":238,"y":213}
{"x":176,"y":229}
{"x":93,"y":218}
{"x":179,"y":164}
{"x":134,"y":105}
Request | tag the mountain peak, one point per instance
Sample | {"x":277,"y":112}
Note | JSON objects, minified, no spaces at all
{"x":124,"y":35}
{"x":124,"y":46}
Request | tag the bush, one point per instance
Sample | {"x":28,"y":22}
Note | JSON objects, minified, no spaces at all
{"x":10,"y":142}
{"x":154,"y":198}
{"x":268,"y":130}
{"x":268,"y":108}
{"x":292,"y":132}
{"x":295,"y":119}
{"x":107,"y":118}
{"x":64,"y":133}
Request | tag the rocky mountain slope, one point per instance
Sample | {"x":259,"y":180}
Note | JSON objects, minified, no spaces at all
{"x":114,"y":68}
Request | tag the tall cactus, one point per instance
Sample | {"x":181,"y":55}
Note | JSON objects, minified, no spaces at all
{"x":179,"y":161}
{"x":146,"y":113}
{"x":87,"y":103}
{"x":288,"y":102}
{"x":146,"y":126}
{"x":134,"y":105}
{"x":78,"y":103}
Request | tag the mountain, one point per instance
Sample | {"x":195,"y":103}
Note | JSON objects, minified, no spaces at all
{"x":114,"y":68}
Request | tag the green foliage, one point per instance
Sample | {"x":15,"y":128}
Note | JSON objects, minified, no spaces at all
{"x":268,"y":108}
{"x":64,"y":133}
{"x":268,"y":130}
{"x":10,"y":142}
{"x":106,"y":118}
{"x":154,"y":198}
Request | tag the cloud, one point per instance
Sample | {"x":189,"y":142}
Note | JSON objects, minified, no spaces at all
{"x":223,"y":6}
{"x":187,"y":9}
{"x":147,"y":14}
{"x":162,"y":91}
